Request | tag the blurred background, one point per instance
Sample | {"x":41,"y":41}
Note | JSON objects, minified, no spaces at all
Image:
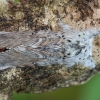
{"x":88,"y":91}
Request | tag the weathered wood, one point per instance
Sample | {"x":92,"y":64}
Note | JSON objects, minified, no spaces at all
{"x":34,"y":15}
{"x":42,"y":79}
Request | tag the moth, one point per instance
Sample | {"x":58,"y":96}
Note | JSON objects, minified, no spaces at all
{"x":65,"y":47}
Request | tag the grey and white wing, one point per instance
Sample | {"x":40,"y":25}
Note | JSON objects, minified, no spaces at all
{"x":27,"y":48}
{"x":45,"y":49}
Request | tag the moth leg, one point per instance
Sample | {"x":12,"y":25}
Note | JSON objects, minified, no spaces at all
{"x":89,"y":62}
{"x":93,"y":32}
